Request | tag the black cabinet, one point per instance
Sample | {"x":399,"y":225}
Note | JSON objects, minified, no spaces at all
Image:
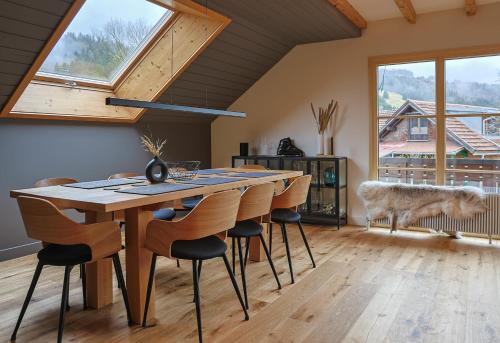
{"x":327,"y":199}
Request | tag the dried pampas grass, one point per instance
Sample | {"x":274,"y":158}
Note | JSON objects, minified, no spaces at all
{"x":324,"y":116}
{"x":154,"y":147}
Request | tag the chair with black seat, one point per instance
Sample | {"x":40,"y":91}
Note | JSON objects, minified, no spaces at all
{"x":58,"y":181}
{"x":284,"y":211}
{"x":67,"y":243}
{"x":198,"y":236}
{"x":255,"y":203}
{"x":163,"y":213}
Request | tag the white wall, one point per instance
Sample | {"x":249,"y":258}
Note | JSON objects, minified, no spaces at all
{"x":278,"y":105}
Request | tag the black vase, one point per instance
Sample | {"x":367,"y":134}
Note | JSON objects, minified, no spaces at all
{"x":152,"y":173}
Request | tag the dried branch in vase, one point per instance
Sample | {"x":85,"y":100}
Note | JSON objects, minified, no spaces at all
{"x":152,"y":146}
{"x":324,"y":115}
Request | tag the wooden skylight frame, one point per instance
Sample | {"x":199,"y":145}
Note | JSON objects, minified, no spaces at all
{"x":192,"y":26}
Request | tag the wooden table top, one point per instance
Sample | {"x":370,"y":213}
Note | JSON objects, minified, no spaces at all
{"x":101,"y":200}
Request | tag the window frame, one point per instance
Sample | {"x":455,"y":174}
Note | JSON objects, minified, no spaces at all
{"x":122,"y":73}
{"x":439,"y":57}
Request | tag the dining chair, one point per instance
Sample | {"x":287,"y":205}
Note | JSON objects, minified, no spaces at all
{"x":68,"y":243}
{"x":163,"y":213}
{"x":284,"y":210}
{"x":198,"y":236}
{"x":255,"y":203}
{"x":58,"y":181}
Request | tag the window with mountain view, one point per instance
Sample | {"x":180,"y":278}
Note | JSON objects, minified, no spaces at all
{"x":407,"y":122}
{"x":103,"y":39}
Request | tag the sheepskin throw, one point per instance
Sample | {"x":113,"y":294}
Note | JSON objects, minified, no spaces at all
{"x":405,"y":204}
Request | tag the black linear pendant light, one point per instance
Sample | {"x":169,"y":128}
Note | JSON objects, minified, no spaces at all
{"x":171,"y":107}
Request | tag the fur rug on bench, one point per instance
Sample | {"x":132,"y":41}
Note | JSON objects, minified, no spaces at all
{"x":405,"y":204}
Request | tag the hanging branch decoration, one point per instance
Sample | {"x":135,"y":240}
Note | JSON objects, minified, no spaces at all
{"x":152,"y":146}
{"x":324,"y":115}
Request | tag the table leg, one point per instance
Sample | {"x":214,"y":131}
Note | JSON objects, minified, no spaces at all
{"x":256,"y":251}
{"x":138,"y":262}
{"x":99,"y":274}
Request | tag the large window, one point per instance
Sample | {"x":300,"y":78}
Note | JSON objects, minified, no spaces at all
{"x":438,"y":119}
{"x":103,"y":39}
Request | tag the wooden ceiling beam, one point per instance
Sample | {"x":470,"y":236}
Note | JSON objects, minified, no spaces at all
{"x":406,"y":7}
{"x":470,"y":7}
{"x":350,"y":12}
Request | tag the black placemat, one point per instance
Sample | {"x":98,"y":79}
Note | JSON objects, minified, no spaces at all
{"x":253,"y":174}
{"x":212,"y":181}
{"x":212,"y":171}
{"x":159,"y":188}
{"x":141,"y":177}
{"x":101,"y":183}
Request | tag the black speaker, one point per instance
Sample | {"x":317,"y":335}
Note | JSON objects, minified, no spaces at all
{"x":243,"y":149}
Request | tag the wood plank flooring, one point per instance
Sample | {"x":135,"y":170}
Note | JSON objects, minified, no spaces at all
{"x":369,"y":286}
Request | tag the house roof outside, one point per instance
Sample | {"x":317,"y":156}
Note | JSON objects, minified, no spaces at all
{"x":457,"y":130}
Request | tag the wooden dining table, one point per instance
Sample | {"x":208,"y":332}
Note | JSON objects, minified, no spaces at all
{"x":99,"y":205}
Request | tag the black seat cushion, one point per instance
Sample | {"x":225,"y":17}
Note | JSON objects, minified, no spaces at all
{"x":199,"y":249}
{"x":65,"y":255}
{"x":190,"y":203}
{"x":245,"y":228}
{"x":284,"y":215}
{"x":164,"y":214}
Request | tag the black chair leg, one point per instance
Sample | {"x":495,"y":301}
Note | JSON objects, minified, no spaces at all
{"x":67,"y":294}
{"x":247,"y":249}
{"x":268,"y":255}
{"x":84,"y":285}
{"x":34,"y":281}
{"x":283,"y":233}
{"x":196,"y":289}
{"x":270,"y":238}
{"x":150,"y":286}
{"x":288,"y":255}
{"x":121,"y":281}
{"x":233,"y":253}
{"x":307,"y":244}
{"x":235,"y":286}
{"x":200,"y":262}
{"x":178,"y":264}
{"x":81,"y":269}
{"x":64,"y":303}
{"x":242,"y":271}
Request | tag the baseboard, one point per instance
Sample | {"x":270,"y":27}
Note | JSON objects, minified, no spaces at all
{"x":19,"y":251}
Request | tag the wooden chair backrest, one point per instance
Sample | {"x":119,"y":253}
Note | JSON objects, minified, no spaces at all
{"x":294,"y":195}
{"x":54,"y":181}
{"x":45,"y":222}
{"x":213,"y":215}
{"x":253,"y":166}
{"x":122,"y":175}
{"x":256,"y":201}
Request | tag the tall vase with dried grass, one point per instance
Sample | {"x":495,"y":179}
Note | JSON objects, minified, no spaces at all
{"x":156,"y":169}
{"x":322,"y":120}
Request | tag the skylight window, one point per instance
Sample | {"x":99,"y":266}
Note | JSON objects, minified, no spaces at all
{"x":103,"y":39}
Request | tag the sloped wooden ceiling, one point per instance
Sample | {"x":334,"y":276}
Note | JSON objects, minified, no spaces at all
{"x":25,"y":26}
{"x":261,"y":33}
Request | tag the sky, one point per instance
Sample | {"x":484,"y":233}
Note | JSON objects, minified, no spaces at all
{"x":477,"y":69}
{"x":95,"y":13}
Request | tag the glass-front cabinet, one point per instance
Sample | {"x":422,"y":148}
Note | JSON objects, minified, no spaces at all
{"x":327,"y":199}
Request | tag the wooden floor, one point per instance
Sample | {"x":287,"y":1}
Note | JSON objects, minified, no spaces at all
{"x":368,"y":287}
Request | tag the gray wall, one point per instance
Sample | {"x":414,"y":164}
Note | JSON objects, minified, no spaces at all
{"x":34,"y":149}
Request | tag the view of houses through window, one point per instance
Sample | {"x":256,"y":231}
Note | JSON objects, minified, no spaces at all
{"x":407,"y":130}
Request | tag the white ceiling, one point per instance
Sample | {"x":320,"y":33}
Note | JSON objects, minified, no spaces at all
{"x":373,"y":10}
